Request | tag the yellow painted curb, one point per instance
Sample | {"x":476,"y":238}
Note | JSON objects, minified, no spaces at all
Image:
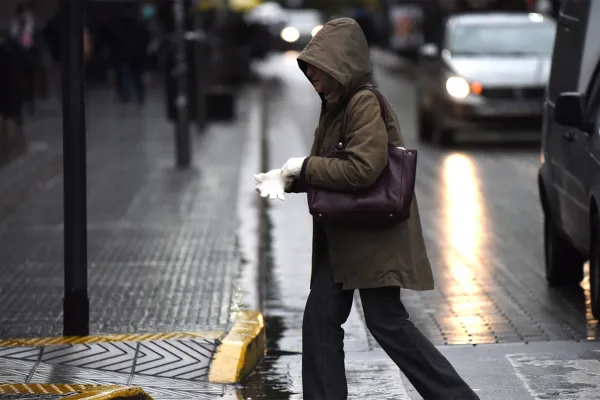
{"x":241,"y":350}
{"x":80,"y":392}
{"x":209,"y":335}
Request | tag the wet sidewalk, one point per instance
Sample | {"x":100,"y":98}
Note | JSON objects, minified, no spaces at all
{"x":162,"y":252}
{"x":491,"y":314}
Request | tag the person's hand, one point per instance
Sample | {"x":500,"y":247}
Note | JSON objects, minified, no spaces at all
{"x":292,"y":167}
{"x":271,"y":184}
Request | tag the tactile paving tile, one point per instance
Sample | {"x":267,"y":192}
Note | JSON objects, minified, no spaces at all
{"x":15,"y":371}
{"x":54,"y":373}
{"x":187,"y":361}
{"x":116,"y":357}
{"x":182,"y":359}
{"x":34,"y":396}
{"x":158,"y":387}
{"x":25,"y":353}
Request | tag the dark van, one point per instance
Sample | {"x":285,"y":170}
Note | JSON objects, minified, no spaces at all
{"x":569,"y":176}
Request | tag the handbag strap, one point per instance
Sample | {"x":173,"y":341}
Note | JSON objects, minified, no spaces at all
{"x":382,"y":108}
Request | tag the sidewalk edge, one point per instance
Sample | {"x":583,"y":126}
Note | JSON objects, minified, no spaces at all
{"x":80,"y":392}
{"x":241,"y":350}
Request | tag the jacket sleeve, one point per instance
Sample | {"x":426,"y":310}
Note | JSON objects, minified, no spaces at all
{"x":366,"y":148}
{"x":296,"y":186}
{"x":299,"y":185}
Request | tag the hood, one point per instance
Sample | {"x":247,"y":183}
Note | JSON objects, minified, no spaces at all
{"x":341,"y":50}
{"x":503,"y":71}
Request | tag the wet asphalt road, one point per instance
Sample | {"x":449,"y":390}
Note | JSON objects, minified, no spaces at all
{"x":483,"y":227}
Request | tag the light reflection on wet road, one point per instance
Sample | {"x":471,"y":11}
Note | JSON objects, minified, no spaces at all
{"x":482,"y":222}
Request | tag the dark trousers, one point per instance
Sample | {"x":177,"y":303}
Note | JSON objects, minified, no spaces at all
{"x":323,"y":369}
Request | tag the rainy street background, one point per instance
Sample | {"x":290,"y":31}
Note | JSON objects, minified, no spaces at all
{"x":184,"y":102}
{"x":492,"y":311}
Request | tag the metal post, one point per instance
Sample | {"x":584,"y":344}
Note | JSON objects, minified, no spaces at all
{"x":216,"y":45}
{"x":76,"y":304}
{"x":182,"y":128}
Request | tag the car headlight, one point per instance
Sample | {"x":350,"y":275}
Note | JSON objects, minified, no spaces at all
{"x":316,"y":30}
{"x":457,"y":87}
{"x":290,"y":34}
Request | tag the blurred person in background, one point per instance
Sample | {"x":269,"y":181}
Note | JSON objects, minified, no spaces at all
{"x":149,"y":18}
{"x":365,"y":19}
{"x":129,"y":42}
{"x":378,"y":262}
{"x":23,"y":31}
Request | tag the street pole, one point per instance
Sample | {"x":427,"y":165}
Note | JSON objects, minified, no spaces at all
{"x":76,"y":304}
{"x":182,"y":128}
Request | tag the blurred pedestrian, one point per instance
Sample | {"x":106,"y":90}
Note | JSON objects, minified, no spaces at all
{"x":130,"y":39}
{"x":367,"y":23}
{"x":379,"y":262}
{"x":23,"y":32}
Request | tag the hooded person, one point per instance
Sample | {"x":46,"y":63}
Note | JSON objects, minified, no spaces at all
{"x":378,"y":262}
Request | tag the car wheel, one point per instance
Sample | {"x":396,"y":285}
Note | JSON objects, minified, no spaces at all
{"x":595,"y":267}
{"x":425,"y":126}
{"x":564,"y":264}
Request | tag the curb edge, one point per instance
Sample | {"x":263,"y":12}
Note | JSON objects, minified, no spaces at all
{"x":241,"y":350}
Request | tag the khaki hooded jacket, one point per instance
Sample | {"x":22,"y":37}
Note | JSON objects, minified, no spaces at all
{"x":359,"y":258}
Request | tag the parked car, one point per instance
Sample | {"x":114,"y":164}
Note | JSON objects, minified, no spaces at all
{"x":491,"y":71}
{"x":569,"y":176}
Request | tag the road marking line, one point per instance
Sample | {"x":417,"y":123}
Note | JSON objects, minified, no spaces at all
{"x":545,"y":377}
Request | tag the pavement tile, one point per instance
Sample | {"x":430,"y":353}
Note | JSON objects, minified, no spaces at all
{"x":57,"y":373}
{"x":115,"y":357}
{"x":181,"y":359}
{"x":15,"y":371}
{"x":161,"y":244}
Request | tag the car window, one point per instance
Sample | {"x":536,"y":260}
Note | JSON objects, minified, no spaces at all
{"x":593,"y":96}
{"x":566,"y":59}
{"x":574,"y":8}
{"x":505,"y":39}
{"x":304,"y":20}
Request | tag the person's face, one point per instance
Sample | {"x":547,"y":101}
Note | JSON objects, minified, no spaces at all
{"x":317,"y":78}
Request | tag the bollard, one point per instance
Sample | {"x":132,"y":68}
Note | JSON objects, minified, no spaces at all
{"x":182,"y":128}
{"x":196,"y":47}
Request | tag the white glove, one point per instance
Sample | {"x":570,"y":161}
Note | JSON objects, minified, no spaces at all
{"x":271,"y":184}
{"x":292,"y":166}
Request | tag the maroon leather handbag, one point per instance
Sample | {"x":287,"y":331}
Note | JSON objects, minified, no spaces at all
{"x":386,"y":203}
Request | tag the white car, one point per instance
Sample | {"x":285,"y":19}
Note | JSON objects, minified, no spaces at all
{"x":490,"y":71}
{"x":300,"y":27}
